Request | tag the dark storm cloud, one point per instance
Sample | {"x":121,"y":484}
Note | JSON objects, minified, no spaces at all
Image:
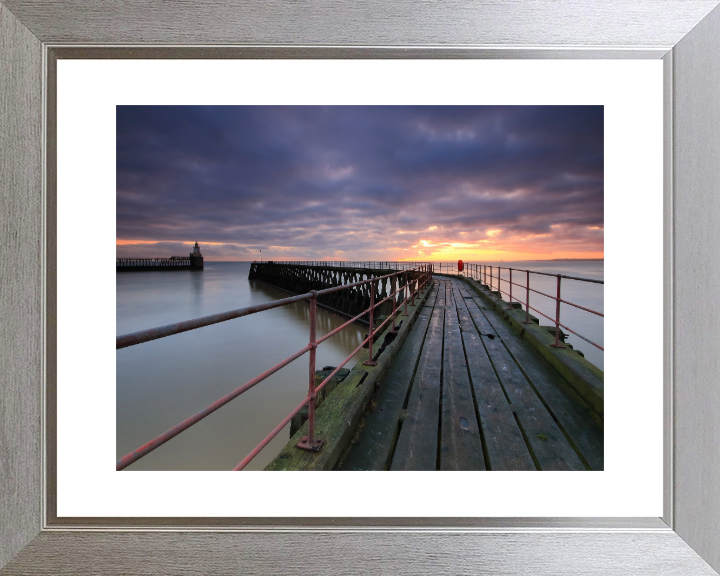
{"x":306,"y":177}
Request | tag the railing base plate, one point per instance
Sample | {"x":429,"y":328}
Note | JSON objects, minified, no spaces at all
{"x":313,"y":446}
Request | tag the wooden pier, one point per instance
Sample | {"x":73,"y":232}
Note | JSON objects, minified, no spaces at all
{"x":467,"y":393}
{"x":455,"y":378}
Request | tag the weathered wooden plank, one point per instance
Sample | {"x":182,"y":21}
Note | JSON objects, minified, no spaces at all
{"x":339,"y":414}
{"x":505,"y":445}
{"x":417,"y":443}
{"x":551,"y":448}
{"x":460,"y":442}
{"x":572,"y":413}
{"x":373,"y":449}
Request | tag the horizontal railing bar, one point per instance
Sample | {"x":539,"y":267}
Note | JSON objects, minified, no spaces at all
{"x":500,"y":279}
{"x":583,"y":279}
{"x":346,"y":286}
{"x":330,"y":334}
{"x":566,"y":328}
{"x":583,"y":308}
{"x":563,"y":325}
{"x":179,"y":327}
{"x":163,"y":438}
{"x":255,"y":451}
{"x":142,"y":336}
{"x":583,"y":337}
{"x":145,"y":449}
{"x":594,"y":281}
{"x":552,"y":275}
{"x":245,"y":461}
{"x":546,"y":295}
{"x":556,"y":275}
{"x":390,"y":317}
{"x":345,"y":264}
{"x":559,"y":323}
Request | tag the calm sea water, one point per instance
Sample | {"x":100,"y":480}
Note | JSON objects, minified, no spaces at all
{"x":161,"y":383}
{"x":586,"y":294}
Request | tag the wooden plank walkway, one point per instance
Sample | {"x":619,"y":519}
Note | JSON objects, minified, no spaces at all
{"x":466,"y":393}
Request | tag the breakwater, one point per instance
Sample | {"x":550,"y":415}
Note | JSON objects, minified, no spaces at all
{"x":300,"y":279}
{"x":194,"y":261}
{"x":155,"y":264}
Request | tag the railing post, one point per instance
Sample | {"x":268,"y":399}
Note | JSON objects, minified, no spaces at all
{"x":370,"y":361}
{"x":406,"y":290}
{"x":491,"y":278}
{"x":527,"y":298}
{"x":394,"y":301}
{"x":413,"y":292}
{"x":557,"y":317}
{"x":511,"y":306}
{"x":309,"y":442}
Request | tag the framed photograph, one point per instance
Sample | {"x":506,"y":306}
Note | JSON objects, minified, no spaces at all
{"x":659,"y":515}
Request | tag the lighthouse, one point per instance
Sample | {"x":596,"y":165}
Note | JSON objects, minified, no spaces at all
{"x":196,"y":259}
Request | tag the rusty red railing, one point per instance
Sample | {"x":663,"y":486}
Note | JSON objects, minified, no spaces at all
{"x":371,"y":265}
{"x":416,"y":279}
{"x":484,"y":273}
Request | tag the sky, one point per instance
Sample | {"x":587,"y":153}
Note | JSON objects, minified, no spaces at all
{"x":384,"y":183}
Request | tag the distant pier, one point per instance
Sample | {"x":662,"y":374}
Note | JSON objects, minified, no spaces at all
{"x":299,"y":278}
{"x":192,"y":262}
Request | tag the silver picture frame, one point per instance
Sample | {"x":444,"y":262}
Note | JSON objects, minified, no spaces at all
{"x":685,"y":34}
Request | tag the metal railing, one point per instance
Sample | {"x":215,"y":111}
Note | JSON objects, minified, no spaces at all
{"x":484,"y":273}
{"x":371,"y":265}
{"x":166,"y":262}
{"x":415,"y":280}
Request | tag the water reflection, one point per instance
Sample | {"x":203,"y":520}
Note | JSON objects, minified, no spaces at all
{"x":585,"y":294}
{"x":160,"y":383}
{"x":325,"y":322}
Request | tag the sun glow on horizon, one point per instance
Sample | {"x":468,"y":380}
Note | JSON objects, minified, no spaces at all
{"x":533,"y":247}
